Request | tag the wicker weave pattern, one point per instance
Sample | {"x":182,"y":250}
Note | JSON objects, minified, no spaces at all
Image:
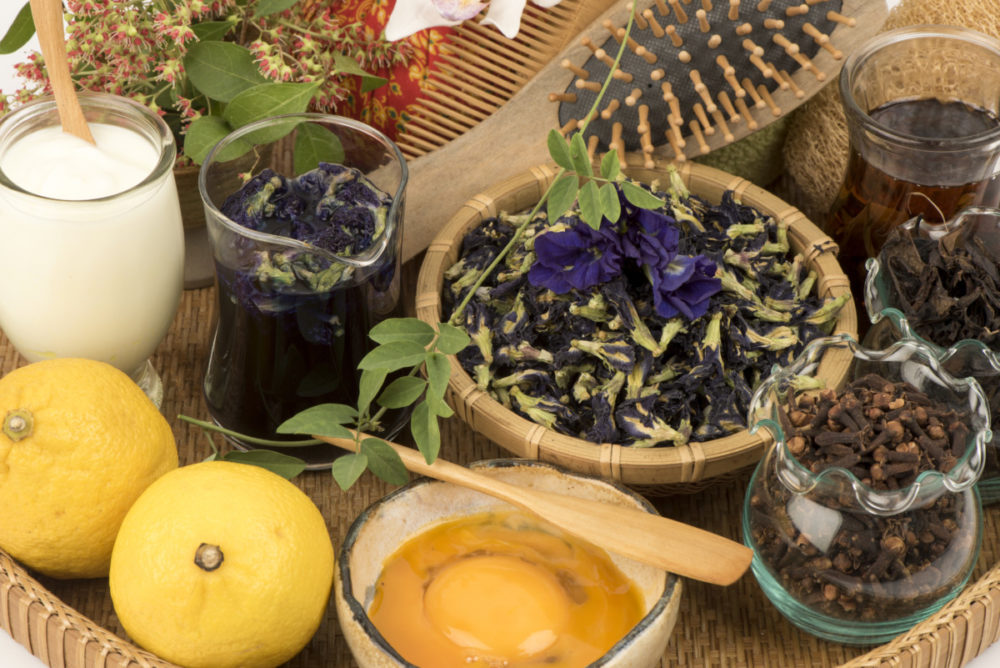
{"x":71,"y":624}
{"x":57,"y":634}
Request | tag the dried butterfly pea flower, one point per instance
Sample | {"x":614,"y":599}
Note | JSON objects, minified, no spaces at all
{"x":619,"y":370}
{"x":332,"y":207}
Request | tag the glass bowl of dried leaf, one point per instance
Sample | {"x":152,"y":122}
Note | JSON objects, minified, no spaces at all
{"x":940,"y":284}
{"x":631,"y":350}
{"x":863,"y":516}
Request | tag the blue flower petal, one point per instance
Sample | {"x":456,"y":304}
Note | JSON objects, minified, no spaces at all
{"x":552,"y":278}
{"x":579,"y":257}
{"x":677,"y":272}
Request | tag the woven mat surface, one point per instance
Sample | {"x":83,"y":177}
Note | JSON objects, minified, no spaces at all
{"x":734,"y":626}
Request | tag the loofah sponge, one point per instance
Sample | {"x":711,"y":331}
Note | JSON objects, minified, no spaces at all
{"x":756,"y":158}
{"x":815,"y":150}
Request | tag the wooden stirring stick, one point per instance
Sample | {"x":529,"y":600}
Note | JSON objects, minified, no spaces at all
{"x":48,"y":17}
{"x":651,"y":539}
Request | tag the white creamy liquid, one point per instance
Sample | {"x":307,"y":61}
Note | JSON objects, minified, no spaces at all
{"x":96,"y":279}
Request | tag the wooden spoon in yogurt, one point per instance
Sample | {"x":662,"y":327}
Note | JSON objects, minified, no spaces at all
{"x":48,"y":17}
{"x":651,"y":539}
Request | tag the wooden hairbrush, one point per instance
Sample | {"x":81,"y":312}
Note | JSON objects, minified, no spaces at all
{"x":653,"y":124}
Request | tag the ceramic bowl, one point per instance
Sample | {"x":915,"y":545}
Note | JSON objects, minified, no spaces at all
{"x":410,"y":510}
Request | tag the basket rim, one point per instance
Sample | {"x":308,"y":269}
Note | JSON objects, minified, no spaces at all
{"x":690,"y":463}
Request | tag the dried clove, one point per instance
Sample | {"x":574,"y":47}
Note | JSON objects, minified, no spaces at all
{"x":846,"y":433}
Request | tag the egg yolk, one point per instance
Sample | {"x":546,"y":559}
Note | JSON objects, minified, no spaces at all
{"x":502,"y":590}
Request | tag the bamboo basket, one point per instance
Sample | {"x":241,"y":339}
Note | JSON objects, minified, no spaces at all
{"x":653,"y":471}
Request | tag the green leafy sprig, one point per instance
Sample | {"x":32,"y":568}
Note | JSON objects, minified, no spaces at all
{"x":414,"y":345}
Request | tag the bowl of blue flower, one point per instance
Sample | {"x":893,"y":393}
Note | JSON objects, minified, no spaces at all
{"x":628,"y":343}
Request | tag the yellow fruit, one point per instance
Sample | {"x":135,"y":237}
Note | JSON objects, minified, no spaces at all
{"x":222,"y":564}
{"x":79,"y":443}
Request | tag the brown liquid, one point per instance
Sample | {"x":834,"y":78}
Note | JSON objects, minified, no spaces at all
{"x":871,"y":202}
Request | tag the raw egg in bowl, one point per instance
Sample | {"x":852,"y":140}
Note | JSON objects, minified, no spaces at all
{"x":435,"y":575}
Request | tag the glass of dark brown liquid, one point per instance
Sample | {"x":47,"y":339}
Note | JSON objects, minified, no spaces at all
{"x":295,"y":297}
{"x":923,"y":114}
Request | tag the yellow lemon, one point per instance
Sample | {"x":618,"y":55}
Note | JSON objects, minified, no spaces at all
{"x":222,"y":564}
{"x":79,"y":443}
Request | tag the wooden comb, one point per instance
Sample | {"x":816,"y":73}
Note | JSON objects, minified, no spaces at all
{"x":479,"y":69}
{"x":513,"y":138}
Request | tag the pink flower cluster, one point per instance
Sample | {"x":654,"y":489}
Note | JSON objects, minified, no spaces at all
{"x":135,"y":48}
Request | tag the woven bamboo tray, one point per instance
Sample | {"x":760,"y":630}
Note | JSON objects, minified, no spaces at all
{"x":72,"y":624}
{"x":653,"y":471}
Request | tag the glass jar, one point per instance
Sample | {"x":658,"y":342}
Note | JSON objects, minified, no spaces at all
{"x":923,"y":122}
{"x":92,"y":257}
{"x":842,"y":556}
{"x":961,"y":358}
{"x":293,"y":317}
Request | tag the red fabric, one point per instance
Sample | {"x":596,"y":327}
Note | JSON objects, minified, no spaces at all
{"x":387,"y":107}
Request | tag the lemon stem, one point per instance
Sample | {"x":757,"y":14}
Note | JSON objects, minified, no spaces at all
{"x":208,"y":557}
{"x":18,"y":424}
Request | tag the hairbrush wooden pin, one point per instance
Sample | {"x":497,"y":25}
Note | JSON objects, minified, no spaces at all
{"x":709,"y":50}
{"x":672,"y":67}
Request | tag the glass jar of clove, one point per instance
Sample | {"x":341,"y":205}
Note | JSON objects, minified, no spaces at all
{"x":939,"y":284}
{"x":863,"y":516}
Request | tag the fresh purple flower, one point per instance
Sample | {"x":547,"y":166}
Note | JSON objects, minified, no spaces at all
{"x":579,"y":257}
{"x":650,"y":238}
{"x":684,"y":287}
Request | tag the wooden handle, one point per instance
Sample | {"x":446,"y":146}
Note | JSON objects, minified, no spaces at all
{"x":48,"y":17}
{"x":651,"y":539}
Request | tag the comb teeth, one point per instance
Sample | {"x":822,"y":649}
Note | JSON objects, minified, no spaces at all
{"x":468,"y":84}
{"x":715,"y":64}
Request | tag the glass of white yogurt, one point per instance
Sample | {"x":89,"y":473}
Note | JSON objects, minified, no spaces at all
{"x":92,"y":252}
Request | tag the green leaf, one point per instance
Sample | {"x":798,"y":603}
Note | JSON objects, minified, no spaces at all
{"x":394,"y":355}
{"x":578,"y":154}
{"x":561,"y":196}
{"x":559,"y":149}
{"x":439,"y":407}
{"x":204,"y":133}
{"x":611,"y":206}
{"x":322,"y":420}
{"x":438,"y":374}
{"x":284,"y":465}
{"x":20,"y":31}
{"x":451,"y":339}
{"x":210,"y":31}
{"x":590,"y":204}
{"x":426,"y":432}
{"x":315,"y":144}
{"x":265,"y":7}
{"x":348,"y":65}
{"x":384,"y":461}
{"x":269,"y":99}
{"x":402,"y":392}
{"x":369,"y":386}
{"x":347,"y":469}
{"x":221,"y":70}
{"x":610,"y":165}
{"x":402,"y":329}
{"x":640,"y":197}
